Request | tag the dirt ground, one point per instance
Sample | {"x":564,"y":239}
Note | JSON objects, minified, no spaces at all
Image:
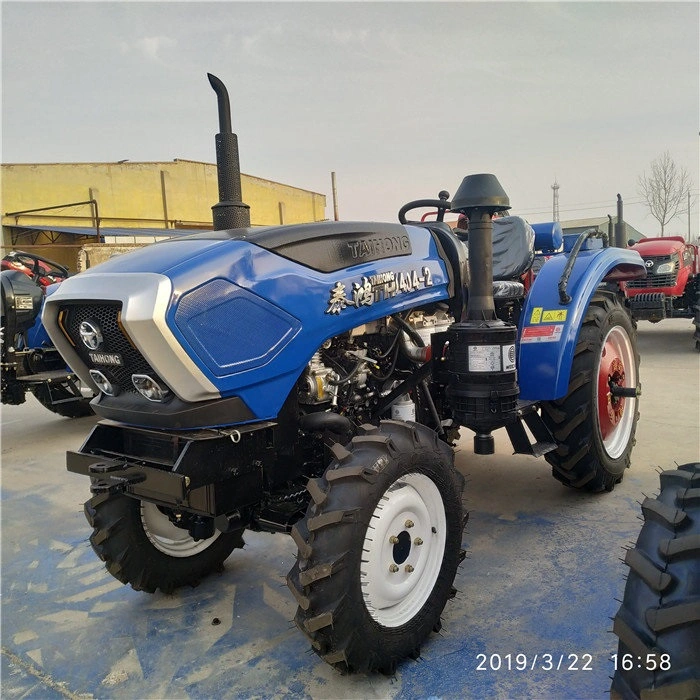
{"x":541,"y":577}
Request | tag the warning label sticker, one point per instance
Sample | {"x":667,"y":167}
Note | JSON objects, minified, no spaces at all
{"x":536,"y":315}
{"x":542,"y":334}
{"x":555,"y":315}
{"x":540,"y":315}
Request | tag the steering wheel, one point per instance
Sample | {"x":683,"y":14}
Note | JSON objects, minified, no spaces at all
{"x":443,"y":205}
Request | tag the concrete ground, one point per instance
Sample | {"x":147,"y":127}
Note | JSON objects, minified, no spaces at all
{"x":541,"y":577}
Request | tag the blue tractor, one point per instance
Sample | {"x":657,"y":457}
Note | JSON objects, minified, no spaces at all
{"x":28,"y":361}
{"x":312,"y":379}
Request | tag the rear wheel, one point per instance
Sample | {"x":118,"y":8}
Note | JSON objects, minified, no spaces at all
{"x":379,"y":548}
{"x":593,"y":426}
{"x":140,"y":545}
{"x":658,"y":622}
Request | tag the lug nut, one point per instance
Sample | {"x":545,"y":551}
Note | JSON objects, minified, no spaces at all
{"x":394,"y":539}
{"x":408,"y":569}
{"x":393,"y":568}
{"x":408,"y":523}
{"x":418,"y":541}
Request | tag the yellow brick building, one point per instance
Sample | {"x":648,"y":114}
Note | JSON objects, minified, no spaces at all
{"x":150,"y":197}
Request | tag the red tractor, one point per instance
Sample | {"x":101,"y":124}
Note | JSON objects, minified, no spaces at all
{"x":671,"y":288}
{"x":42,"y":270}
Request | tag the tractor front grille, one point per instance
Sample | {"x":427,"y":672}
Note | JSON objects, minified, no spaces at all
{"x":653,"y":280}
{"x":105,"y":317}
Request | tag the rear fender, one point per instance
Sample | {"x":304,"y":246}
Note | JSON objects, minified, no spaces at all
{"x":549,"y":329}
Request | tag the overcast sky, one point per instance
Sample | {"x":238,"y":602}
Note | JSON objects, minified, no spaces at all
{"x":400,"y":99}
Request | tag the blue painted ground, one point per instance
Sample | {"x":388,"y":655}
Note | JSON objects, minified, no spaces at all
{"x":64,"y":614}
{"x":541,"y":578}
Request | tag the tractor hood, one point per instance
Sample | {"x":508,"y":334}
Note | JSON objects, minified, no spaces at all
{"x":321,"y":246}
{"x":659,"y":246}
{"x":237,"y":313}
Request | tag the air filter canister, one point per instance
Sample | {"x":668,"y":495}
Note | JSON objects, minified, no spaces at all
{"x":482,"y":387}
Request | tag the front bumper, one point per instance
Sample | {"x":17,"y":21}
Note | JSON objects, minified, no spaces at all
{"x":206,"y":472}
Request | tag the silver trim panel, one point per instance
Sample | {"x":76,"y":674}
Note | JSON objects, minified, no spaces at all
{"x":145,"y":297}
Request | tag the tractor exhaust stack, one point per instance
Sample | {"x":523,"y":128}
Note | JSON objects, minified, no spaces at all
{"x":230,"y":212}
{"x":620,"y":241}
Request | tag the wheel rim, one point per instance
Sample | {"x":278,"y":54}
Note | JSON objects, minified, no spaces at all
{"x":616,"y":414}
{"x":403,"y":550}
{"x":168,"y":538}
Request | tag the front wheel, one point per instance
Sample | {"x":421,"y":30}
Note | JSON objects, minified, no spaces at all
{"x":379,"y":547}
{"x":140,"y":544}
{"x":593,"y":424}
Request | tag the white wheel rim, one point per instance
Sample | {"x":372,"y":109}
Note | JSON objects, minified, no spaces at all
{"x":168,"y":538}
{"x":617,"y":440}
{"x":397,"y":578}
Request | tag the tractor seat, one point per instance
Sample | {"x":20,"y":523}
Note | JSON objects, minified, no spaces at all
{"x":513,"y":253}
{"x":513,"y":248}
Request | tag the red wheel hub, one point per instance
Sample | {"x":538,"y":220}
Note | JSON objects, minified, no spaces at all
{"x":610,"y":373}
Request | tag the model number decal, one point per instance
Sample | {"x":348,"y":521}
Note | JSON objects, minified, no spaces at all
{"x":379,"y":287}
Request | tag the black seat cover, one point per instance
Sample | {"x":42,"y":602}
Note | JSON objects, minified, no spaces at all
{"x":513,"y":247}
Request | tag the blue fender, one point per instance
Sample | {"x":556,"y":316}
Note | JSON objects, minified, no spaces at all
{"x":36,"y":336}
{"x":548,"y":329}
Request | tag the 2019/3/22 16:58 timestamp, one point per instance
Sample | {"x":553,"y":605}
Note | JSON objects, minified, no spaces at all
{"x":569,"y":662}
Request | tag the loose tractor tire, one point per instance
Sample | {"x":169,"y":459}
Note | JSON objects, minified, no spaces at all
{"x":658,"y":622}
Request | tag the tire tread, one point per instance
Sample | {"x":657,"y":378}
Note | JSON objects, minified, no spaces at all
{"x":660,"y":611}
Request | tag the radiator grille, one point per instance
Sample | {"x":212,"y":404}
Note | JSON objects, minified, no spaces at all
{"x":106,"y":317}
{"x":653,"y":280}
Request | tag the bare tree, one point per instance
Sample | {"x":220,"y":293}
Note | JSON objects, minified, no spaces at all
{"x":665,"y":189}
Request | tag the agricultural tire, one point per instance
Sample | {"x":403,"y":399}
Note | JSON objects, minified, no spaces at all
{"x":141,"y":547}
{"x":76,"y":405}
{"x":658,"y":623}
{"x":593,"y":429}
{"x":379,"y":547}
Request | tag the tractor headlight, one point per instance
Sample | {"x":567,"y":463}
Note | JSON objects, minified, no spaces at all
{"x":104,"y":385}
{"x":149,"y":387}
{"x":666,"y":268}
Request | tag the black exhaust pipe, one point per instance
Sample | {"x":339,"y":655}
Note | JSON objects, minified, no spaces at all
{"x":230,"y":212}
{"x":620,"y":241}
